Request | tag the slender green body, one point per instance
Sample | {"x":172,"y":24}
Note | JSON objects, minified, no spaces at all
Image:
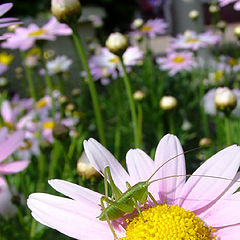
{"x":137,"y":192}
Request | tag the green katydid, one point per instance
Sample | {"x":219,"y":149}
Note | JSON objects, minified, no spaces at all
{"x":122,"y":203}
{"x":126,"y":202}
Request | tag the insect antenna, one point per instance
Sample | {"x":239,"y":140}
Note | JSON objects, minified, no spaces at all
{"x":188,"y":151}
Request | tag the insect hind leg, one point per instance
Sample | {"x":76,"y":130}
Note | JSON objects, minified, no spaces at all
{"x":107,"y":218}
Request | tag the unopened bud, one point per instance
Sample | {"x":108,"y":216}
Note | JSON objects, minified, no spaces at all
{"x":60,"y":131}
{"x":137,"y":23}
{"x":13,"y":27}
{"x":62,"y":99}
{"x":168,"y":103}
{"x":76,"y":92}
{"x":221,"y":25}
{"x":117,"y":43}
{"x":205,"y":142}
{"x":66,"y":11}
{"x":85,"y":168}
{"x":139,"y":95}
{"x":214,"y":9}
{"x":225,"y":99}
{"x":194,"y":15}
{"x":237,"y":32}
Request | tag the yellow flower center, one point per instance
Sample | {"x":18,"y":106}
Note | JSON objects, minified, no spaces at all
{"x":48,"y":125}
{"x":192,"y":40}
{"x":165,"y":222}
{"x":41,"y":104}
{"x":37,"y":33}
{"x":34,"y":52}
{"x":5,"y":58}
{"x":232,"y":62}
{"x":218,"y":75}
{"x":114,"y":60}
{"x":146,"y":28}
{"x":27,"y":145}
{"x":178,"y":59}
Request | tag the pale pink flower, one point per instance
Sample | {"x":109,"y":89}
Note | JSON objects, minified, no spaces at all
{"x":106,"y":65}
{"x":154,"y":27}
{"x":223,"y":3}
{"x":192,"y":41}
{"x":8,"y":145}
{"x":25,"y":38}
{"x":213,"y":200}
{"x":5,"y":22}
{"x":7,"y":208}
{"x":176,"y":62}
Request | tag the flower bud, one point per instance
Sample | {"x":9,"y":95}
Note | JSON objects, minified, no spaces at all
{"x":60,"y":131}
{"x":137,"y":23}
{"x":76,"y":92}
{"x":225,"y":99}
{"x":214,"y":9}
{"x":237,"y":31}
{"x":117,"y":43}
{"x":62,"y":99}
{"x":66,"y":11}
{"x":194,"y":15}
{"x":221,"y":25}
{"x":168,"y":103}
{"x":139,"y":95}
{"x":205,"y":142}
{"x":84,"y":167}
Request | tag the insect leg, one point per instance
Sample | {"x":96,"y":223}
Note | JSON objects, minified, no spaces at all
{"x":138,"y":209}
{"x":107,"y":218}
{"x":152,"y":198}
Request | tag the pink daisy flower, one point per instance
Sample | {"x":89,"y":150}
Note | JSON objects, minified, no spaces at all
{"x":154,"y":27}
{"x":192,"y":40}
{"x":106,"y":65}
{"x":8,"y":145}
{"x":25,"y":38}
{"x":176,"y":62}
{"x":5,"y":22}
{"x":212,"y":202}
{"x":223,"y":3}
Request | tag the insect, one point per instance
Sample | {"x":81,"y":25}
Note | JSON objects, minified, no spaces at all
{"x":125,"y":202}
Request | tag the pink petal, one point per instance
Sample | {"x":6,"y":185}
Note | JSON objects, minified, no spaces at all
{"x":11,"y":144}
{"x":224,"y":213}
{"x":69,"y":217}
{"x":13,"y":167}
{"x":169,"y":147}
{"x":229,"y":233}
{"x":200,"y":191}
{"x":75,"y":191}
{"x":5,"y":7}
{"x":2,"y":25}
{"x":100,"y":158}
{"x":3,"y":134}
{"x":139,"y":164}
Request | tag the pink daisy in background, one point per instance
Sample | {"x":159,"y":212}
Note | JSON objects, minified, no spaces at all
{"x":192,"y":41}
{"x":223,"y":3}
{"x":5,"y":22}
{"x":154,"y":27}
{"x":176,"y":62}
{"x":25,"y":38}
{"x":106,"y":65}
{"x":210,"y":203}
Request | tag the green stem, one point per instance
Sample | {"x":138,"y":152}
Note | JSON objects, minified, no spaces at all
{"x":132,"y":104}
{"x":50,"y":89}
{"x":140,"y":120}
{"x":91,"y":85}
{"x":228,"y":131}
{"x":28,"y":73}
{"x":171,"y":122}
